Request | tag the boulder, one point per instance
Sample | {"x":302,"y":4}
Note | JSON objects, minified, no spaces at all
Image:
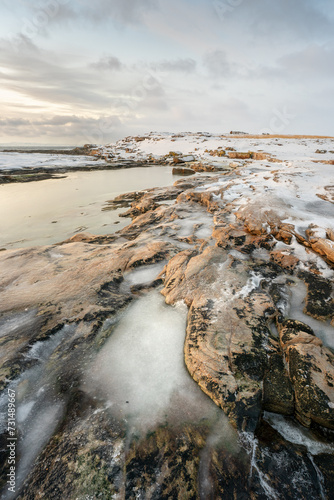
{"x":183,"y":171}
{"x":226,"y":330}
{"x":311,"y":373}
{"x":324,"y":247}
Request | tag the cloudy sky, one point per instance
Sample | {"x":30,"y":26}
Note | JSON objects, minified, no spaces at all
{"x":78,"y":71}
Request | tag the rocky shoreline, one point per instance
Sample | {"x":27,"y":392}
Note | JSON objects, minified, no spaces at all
{"x":44,"y":173}
{"x":79,"y":150}
{"x":230,"y":252}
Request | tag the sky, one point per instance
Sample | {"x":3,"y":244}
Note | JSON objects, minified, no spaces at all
{"x":82,"y":71}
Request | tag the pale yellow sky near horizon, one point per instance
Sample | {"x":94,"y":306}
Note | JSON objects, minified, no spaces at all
{"x":73,"y":72}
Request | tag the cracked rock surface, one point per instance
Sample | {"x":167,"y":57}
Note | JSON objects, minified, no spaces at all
{"x":256,"y":274}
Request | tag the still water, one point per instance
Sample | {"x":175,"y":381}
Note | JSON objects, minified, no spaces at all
{"x":50,"y":211}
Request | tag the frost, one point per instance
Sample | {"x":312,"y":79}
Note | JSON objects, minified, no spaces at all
{"x":253,"y":283}
{"x":294,"y":433}
{"x":322,"y":329}
{"x":140,"y":371}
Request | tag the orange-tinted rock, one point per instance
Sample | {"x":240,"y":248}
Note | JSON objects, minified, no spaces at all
{"x":325,"y":248}
{"x":284,"y":232}
{"x":284,"y":259}
{"x":260,"y":156}
{"x":239,"y":156}
{"x":183,"y":171}
{"x":204,"y":198}
{"x":232,"y":236}
{"x":225,"y":331}
{"x":330,"y":234}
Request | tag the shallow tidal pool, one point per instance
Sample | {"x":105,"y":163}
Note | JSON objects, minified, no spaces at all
{"x":50,"y":211}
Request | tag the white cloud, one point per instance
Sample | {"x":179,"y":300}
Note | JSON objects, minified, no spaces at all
{"x":148,"y":64}
{"x":217,"y":63}
{"x":71,"y":128}
{"x":108,"y":63}
{"x":187,"y":65}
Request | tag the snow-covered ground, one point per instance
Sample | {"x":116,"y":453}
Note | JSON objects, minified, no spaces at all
{"x":12,"y":161}
{"x":199,"y":145}
{"x":292,"y":183}
{"x":203,"y":147}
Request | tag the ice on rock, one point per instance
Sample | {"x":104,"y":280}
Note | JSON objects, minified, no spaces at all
{"x":38,"y":409}
{"x":295,"y":433}
{"x":24,"y":410}
{"x":143,"y":275}
{"x":10,"y":325}
{"x":251,"y":443}
{"x":253,"y":283}
{"x":322,"y":329}
{"x":140,"y":371}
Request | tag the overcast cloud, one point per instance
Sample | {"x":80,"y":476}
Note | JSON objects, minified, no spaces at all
{"x":77,"y":71}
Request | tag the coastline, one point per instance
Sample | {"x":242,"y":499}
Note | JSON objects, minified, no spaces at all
{"x":198,"y":152}
{"x":249,"y":253}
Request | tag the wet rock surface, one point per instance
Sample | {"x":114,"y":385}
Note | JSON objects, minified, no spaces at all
{"x":235,"y":266}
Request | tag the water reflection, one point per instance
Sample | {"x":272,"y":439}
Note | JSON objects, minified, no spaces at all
{"x":46,"y":212}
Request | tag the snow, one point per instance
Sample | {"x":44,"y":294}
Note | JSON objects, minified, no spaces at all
{"x":291,"y":185}
{"x":198,"y":145}
{"x":10,"y":161}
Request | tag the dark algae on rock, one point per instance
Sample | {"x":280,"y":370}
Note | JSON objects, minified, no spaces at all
{"x":268,"y":377}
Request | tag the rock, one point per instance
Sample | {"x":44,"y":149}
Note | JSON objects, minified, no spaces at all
{"x":183,"y":171}
{"x":165,"y":463}
{"x":278,"y":459}
{"x":86,"y":459}
{"x":284,"y":259}
{"x":216,"y":152}
{"x":226,"y":334}
{"x":329,"y":190}
{"x":314,"y":233}
{"x":187,"y":158}
{"x":234,"y":164}
{"x":260,"y":156}
{"x":311,"y":372}
{"x":330,"y":234}
{"x":72,"y":282}
{"x":81,"y":237}
{"x":319,"y":302}
{"x":234,"y":292}
{"x":145,"y":204}
{"x":225,"y":331}
{"x":235,"y":236}
{"x":284,"y":232}
{"x":278,"y":395}
{"x":324,"y":247}
{"x":258,"y":221}
{"x":239,"y":156}
{"x":177,"y":160}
